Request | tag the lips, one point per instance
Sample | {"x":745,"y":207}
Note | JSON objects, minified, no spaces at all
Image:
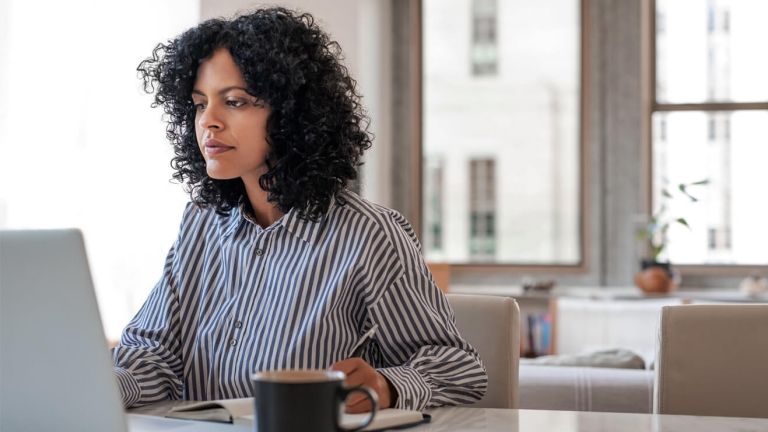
{"x":215,"y":147}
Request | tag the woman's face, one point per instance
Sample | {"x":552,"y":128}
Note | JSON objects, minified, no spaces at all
{"x":230,"y":124}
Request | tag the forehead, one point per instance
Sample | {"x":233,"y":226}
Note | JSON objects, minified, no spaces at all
{"x":218,"y":71}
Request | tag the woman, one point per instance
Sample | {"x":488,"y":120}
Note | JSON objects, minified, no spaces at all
{"x":277,"y":264}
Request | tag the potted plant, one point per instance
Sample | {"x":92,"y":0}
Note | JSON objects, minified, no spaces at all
{"x":655,"y":275}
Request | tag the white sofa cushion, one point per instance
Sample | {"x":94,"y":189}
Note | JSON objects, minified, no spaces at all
{"x":610,"y":358}
{"x":586,"y":389}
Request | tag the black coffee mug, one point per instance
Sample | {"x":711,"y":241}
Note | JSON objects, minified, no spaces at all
{"x":304,"y":400}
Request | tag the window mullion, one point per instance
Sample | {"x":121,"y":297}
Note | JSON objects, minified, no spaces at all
{"x":711,"y":106}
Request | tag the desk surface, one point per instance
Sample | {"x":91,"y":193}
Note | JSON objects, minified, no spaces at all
{"x":485,"y":420}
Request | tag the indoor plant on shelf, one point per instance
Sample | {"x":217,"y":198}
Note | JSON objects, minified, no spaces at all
{"x":656,"y":275}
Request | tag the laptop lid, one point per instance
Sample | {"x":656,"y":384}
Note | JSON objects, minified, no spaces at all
{"x":55,"y":367}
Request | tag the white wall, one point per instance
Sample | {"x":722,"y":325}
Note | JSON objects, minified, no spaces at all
{"x":5,"y":7}
{"x":80,"y":145}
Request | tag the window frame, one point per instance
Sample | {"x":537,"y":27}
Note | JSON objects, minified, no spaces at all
{"x":654,"y":106}
{"x":583,"y":265}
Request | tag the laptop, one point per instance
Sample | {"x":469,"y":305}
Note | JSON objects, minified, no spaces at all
{"x":55,"y":367}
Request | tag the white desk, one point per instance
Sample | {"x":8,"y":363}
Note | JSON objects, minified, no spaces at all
{"x":491,"y":420}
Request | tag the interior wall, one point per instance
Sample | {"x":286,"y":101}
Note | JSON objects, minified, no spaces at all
{"x":622,"y":114}
{"x":4,"y":44}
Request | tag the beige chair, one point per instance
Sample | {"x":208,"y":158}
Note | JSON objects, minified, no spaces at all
{"x":491,"y":324}
{"x":713,"y":360}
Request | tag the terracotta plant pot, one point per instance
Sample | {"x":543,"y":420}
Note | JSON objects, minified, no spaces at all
{"x":655,"y":278}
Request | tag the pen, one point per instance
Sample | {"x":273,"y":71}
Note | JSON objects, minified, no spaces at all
{"x":363,"y":342}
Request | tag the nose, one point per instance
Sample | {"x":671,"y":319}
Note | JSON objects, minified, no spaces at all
{"x":209,"y":118}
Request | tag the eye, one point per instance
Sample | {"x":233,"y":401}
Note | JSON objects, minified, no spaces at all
{"x":199,"y":106}
{"x":235,"y":103}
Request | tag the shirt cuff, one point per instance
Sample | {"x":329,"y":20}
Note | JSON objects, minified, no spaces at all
{"x":413,"y":392}
{"x":130,"y":391}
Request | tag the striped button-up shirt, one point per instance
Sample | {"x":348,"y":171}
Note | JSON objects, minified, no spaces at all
{"x":236,"y":298}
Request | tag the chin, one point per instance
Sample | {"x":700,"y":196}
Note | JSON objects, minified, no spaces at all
{"x":219,"y":175}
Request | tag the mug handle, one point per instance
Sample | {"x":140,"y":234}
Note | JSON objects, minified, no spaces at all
{"x":374,"y":404}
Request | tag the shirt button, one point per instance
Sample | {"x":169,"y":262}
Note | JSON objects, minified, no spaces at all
{"x":259,"y":252}
{"x":232,"y":342}
{"x":238,"y":324}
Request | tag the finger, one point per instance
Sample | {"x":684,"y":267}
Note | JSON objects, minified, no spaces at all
{"x":356,"y":398}
{"x":361,"y":406}
{"x":347,"y":366}
{"x":359,"y":377}
{"x":355,"y":381}
{"x":360,"y":402}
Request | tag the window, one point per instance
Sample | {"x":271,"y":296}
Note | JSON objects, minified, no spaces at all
{"x":482,"y":209}
{"x":433,"y":186}
{"x":710,"y":120}
{"x":81,"y":146}
{"x":504,"y":132}
{"x":484,"y":37}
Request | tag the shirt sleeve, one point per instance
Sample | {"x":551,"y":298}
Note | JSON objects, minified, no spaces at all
{"x":432,"y":364}
{"x":147,"y":361}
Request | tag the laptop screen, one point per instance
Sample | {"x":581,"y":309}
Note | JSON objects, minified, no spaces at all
{"x":55,"y":367}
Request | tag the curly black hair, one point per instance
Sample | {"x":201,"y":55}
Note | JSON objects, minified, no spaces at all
{"x":317,"y":130}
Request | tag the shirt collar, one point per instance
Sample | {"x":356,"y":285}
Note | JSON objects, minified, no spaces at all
{"x":230,"y":224}
{"x":306,"y":230}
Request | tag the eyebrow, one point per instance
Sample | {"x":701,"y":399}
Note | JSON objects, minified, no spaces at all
{"x":222,"y":91}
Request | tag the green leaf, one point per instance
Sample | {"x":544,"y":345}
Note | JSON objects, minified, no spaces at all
{"x":683,"y":222}
{"x":701,"y":182}
{"x":666,"y":194}
{"x":684,"y":191}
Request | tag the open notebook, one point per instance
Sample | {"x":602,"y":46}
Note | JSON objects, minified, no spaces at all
{"x":225,"y":411}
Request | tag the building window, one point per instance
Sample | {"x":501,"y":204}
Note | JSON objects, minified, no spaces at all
{"x":711,"y":88}
{"x":482,"y":209}
{"x":433,"y":220}
{"x":509,"y":147}
{"x":484,"y":37}
{"x":712,"y":238}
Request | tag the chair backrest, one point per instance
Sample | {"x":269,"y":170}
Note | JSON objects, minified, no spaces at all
{"x":491,"y":324}
{"x":713,"y":360}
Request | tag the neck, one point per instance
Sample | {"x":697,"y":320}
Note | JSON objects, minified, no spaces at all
{"x":265,"y":212}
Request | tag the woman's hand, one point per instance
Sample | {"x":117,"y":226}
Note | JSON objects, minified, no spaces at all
{"x":359,"y":372}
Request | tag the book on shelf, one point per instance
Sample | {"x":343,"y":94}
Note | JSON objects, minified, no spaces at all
{"x":536,"y":338}
{"x":227,"y":410}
